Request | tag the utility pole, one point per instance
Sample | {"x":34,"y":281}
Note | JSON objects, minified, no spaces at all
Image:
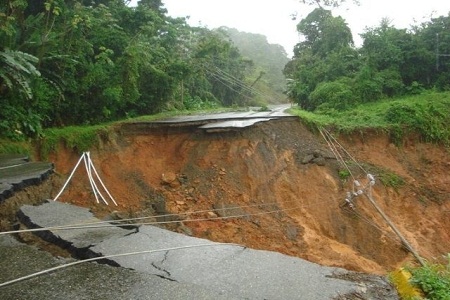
{"x":438,"y":54}
{"x":182,"y":92}
{"x":437,"y":51}
{"x":386,"y":218}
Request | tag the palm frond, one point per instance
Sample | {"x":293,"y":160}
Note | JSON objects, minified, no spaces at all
{"x":17,"y":69}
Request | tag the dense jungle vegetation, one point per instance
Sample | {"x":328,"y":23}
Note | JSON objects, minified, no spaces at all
{"x":69,"y":62}
{"x":328,"y":72}
{"x":84,"y":62}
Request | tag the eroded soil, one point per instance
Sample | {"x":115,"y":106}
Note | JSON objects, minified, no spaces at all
{"x":284,"y":182}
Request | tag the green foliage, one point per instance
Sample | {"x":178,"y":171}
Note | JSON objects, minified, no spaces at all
{"x":427,"y":115}
{"x":17,"y":70}
{"x":323,"y":33}
{"x":268,"y":60}
{"x":336,"y":95}
{"x":344,"y":174}
{"x":367,"y":85}
{"x":19,"y":123}
{"x":79,"y":138}
{"x":328,"y":3}
{"x":391,"y":82}
{"x":14,"y":147}
{"x":222,"y":66}
{"x":391,"y":62}
{"x":197,"y":104}
{"x":400,"y":279}
{"x":390,"y":179}
{"x":383,"y":46}
{"x":430,"y":119}
{"x":68,"y":63}
{"x":433,"y":280}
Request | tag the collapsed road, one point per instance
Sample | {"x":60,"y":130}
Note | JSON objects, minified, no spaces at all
{"x":186,"y":268}
{"x":203,"y":269}
{"x":18,"y":172}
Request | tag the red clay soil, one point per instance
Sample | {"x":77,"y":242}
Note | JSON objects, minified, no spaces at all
{"x":291,"y":204}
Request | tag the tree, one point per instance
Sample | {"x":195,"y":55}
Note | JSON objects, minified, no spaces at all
{"x":222,"y":65}
{"x":382,"y":46}
{"x":323,"y":33}
{"x":17,"y":70}
{"x":267,"y":62}
{"x":434,"y":37}
{"x":65,"y":62}
{"x":327,"y":3}
{"x":336,"y":94}
{"x":325,"y":54}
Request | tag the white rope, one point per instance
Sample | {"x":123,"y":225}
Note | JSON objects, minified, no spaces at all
{"x":89,"y":165}
{"x":112,"y":256}
{"x":91,"y":181}
{"x":101,"y":182}
{"x":70,"y":177}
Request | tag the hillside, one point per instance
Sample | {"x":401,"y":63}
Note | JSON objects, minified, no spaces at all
{"x":286,"y":203}
{"x":269,"y":61}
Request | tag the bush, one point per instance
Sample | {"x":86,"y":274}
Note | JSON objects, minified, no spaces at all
{"x":195,"y":103}
{"x":19,"y":124}
{"x":368,"y":86}
{"x":429,"y":119}
{"x":415,"y":88}
{"x":336,"y":94}
{"x":392,"y":83}
{"x":433,"y":279}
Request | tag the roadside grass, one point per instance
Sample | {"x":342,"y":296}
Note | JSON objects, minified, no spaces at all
{"x":83,"y":138}
{"x":79,"y":138}
{"x":427,"y":115}
{"x":15,"y":147}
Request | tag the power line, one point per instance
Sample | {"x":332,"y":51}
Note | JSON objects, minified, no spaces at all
{"x":439,"y":54}
{"x":113,"y":256}
{"x":334,"y":150}
{"x":344,"y":150}
{"x":373,"y":224}
{"x":228,"y":77}
{"x":115,"y":223}
{"x":230,"y":82}
{"x":228,"y":85}
{"x":367,"y":191}
{"x":217,"y":73}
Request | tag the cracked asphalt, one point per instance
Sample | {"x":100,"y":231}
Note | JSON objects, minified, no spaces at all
{"x":174,"y":266}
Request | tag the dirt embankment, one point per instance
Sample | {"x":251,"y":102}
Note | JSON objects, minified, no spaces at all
{"x":283,"y":179}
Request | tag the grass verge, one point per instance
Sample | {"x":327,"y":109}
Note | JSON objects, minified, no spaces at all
{"x":427,"y":115}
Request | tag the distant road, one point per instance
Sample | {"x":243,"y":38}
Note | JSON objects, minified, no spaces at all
{"x":227,"y":120}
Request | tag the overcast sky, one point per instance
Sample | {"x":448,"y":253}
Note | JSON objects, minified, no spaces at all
{"x":273,"y":18}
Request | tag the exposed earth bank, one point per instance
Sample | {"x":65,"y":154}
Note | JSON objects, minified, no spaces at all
{"x":284,"y":182}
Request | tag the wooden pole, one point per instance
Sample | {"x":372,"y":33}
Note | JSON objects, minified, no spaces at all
{"x":386,"y":218}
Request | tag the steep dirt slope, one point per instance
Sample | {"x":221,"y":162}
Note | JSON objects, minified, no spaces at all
{"x":284,"y":181}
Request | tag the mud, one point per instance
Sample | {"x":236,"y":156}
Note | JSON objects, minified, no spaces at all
{"x":282,"y":178}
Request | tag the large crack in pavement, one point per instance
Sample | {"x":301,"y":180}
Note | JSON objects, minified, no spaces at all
{"x":226,"y":269}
